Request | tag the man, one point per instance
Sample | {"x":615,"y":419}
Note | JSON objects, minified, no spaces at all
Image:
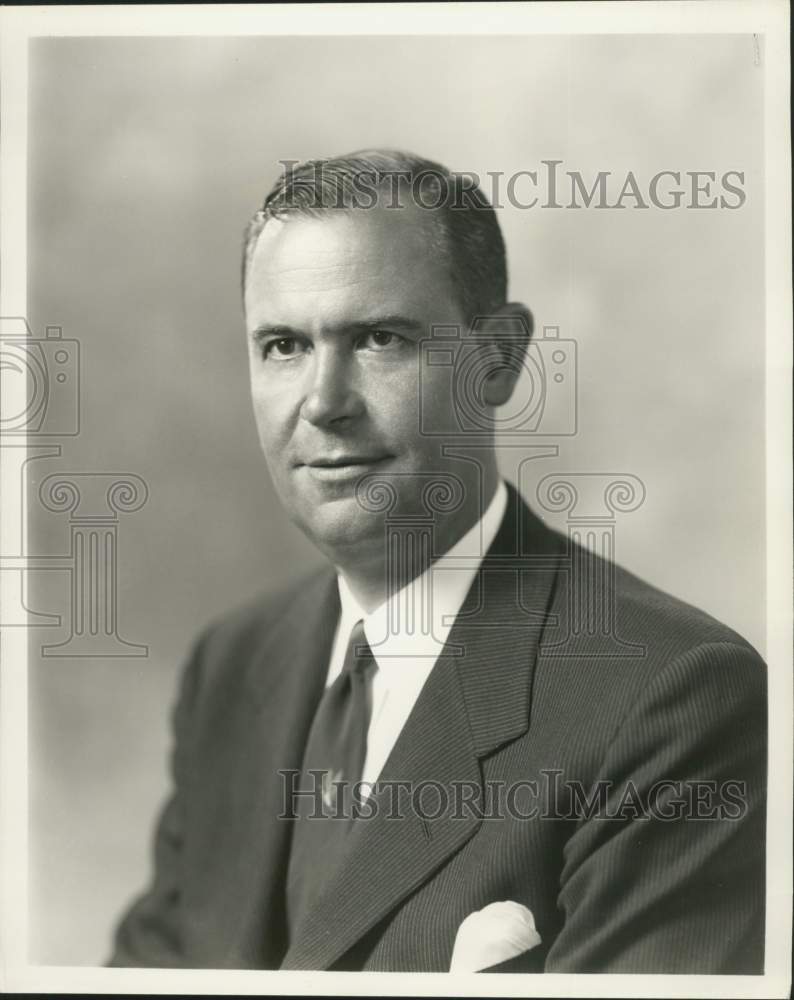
{"x":547,"y":797}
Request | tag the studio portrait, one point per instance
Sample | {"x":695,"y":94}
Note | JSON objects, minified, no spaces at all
{"x":392,"y":439}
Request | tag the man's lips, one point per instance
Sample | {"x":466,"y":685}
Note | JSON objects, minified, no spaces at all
{"x":342,"y":467}
{"x":341,"y":461}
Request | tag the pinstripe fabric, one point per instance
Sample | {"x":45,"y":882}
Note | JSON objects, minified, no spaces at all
{"x":667,"y":693}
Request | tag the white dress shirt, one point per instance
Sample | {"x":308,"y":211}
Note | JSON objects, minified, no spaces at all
{"x":406,"y":652}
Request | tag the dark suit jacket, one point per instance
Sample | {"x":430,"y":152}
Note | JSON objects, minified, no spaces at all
{"x":528,"y":687}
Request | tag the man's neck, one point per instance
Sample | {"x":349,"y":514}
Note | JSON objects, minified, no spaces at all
{"x":373,"y":581}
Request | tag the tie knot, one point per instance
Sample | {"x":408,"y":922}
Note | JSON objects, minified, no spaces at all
{"x":359,"y":655}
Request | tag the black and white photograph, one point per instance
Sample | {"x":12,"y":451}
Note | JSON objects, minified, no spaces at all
{"x":396,"y":499}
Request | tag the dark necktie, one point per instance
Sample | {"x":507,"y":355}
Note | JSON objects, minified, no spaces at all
{"x":336,"y":745}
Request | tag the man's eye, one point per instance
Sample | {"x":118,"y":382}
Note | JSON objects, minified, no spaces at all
{"x":282,"y":349}
{"x":380,"y":339}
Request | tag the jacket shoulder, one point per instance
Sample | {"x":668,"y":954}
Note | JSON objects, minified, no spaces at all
{"x":604,"y":600}
{"x":666,"y":622}
{"x":228,"y":642}
{"x":612,"y":639}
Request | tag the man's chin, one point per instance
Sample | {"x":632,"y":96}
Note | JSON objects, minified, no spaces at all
{"x":340,"y":523}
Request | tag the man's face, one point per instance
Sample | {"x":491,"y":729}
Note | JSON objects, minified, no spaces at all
{"x":336,"y":308}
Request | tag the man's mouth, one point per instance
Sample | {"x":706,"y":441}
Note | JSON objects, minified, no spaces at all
{"x":342,"y":466}
{"x":342,"y":461}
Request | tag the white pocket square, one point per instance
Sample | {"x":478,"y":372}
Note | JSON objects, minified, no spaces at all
{"x":493,"y":934}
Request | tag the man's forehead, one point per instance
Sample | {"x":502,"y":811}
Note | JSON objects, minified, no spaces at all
{"x":383,"y":249}
{"x":300,"y":252}
{"x":339,"y":237}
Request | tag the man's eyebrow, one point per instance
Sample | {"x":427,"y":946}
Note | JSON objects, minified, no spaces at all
{"x":264,"y":330}
{"x":391,"y":322}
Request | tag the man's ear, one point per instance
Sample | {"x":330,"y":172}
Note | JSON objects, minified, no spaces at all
{"x":510,"y":330}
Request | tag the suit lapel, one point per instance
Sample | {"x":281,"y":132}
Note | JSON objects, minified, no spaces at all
{"x":283,"y":685}
{"x":470,"y":704}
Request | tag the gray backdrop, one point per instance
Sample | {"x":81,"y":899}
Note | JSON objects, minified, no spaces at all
{"x":146,"y":158}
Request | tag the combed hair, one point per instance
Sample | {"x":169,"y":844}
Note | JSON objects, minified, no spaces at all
{"x":464,"y":230}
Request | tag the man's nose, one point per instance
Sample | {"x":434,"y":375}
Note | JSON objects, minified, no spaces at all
{"x":331,"y":396}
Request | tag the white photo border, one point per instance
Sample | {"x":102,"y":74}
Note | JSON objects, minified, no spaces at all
{"x":767,"y":18}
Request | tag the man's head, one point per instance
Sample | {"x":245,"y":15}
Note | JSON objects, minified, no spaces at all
{"x":347,"y":269}
{"x":462,"y":228}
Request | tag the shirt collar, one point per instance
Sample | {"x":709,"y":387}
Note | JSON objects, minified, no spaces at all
{"x":410,"y":628}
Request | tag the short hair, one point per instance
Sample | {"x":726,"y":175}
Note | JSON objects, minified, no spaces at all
{"x":464,"y":230}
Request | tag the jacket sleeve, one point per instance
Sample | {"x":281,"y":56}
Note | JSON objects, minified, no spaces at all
{"x":674,"y":882}
{"x":149,"y":933}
